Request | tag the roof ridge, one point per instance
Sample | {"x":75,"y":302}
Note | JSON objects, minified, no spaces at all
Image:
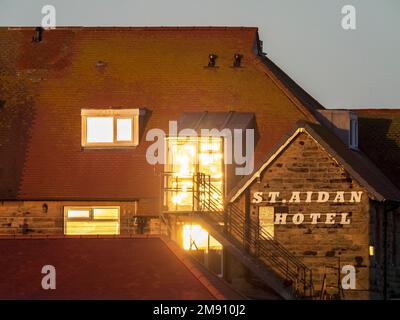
{"x":260,"y":62}
{"x":394,"y":110}
{"x":139,"y":28}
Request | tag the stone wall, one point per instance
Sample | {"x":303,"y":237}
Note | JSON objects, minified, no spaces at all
{"x":390,"y":257}
{"x":305,"y":166}
{"x":32,"y":217}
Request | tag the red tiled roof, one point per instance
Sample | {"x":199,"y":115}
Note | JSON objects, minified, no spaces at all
{"x":103,"y":268}
{"x":161,"y":69}
{"x":379,"y":138}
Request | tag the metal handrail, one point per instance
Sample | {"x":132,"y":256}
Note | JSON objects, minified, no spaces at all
{"x":272,"y":253}
{"x":249,"y":235}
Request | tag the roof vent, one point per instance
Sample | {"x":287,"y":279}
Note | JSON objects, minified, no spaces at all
{"x":237,"y":60}
{"x":212,"y":59}
{"x":101,"y":64}
{"x":37,"y":37}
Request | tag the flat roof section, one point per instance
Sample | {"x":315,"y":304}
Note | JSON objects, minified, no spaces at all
{"x":99,"y":268}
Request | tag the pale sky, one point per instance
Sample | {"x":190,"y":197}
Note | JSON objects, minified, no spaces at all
{"x":340,"y":68}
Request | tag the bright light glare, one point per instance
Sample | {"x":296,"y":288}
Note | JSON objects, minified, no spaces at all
{"x":195,"y":237}
{"x":186,"y":160}
{"x":179,"y":197}
{"x":105,"y":213}
{"x":78,"y":213}
{"x":194,"y":233}
{"x":100,"y":129}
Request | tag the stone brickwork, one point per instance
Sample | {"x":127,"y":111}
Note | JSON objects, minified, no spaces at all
{"x":32,"y":218}
{"x":305,"y":166}
{"x":392,"y":259}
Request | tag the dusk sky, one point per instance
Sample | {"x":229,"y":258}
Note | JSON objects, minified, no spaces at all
{"x":340,"y":68}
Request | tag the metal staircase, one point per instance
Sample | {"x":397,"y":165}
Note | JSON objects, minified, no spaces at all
{"x":255,"y":248}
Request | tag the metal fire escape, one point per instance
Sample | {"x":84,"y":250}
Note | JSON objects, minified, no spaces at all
{"x":246,"y":240}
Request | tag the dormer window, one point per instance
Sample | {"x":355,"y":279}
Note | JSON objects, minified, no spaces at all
{"x":110,"y":128}
{"x":353,"y":133}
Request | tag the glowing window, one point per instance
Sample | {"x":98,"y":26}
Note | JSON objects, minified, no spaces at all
{"x":102,"y":220}
{"x":196,"y":238}
{"x":186,"y":157}
{"x":78,"y":214}
{"x":100,"y":129}
{"x":110,"y":128}
{"x":124,"y":129}
{"x":266,"y":216}
{"x":105,"y":213}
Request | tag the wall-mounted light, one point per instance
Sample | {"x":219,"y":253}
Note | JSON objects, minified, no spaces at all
{"x":371,"y":251}
{"x":237,"y":60}
{"x":212,"y":60}
{"x":45,"y":208}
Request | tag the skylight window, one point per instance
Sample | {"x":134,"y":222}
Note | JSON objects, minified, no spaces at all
{"x":110,"y":128}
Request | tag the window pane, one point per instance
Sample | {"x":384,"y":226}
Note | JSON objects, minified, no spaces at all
{"x":267,"y":219}
{"x":99,"y":129}
{"x":124,"y":129}
{"x":78,"y":214}
{"x":105,"y":213}
{"x":92,"y":227}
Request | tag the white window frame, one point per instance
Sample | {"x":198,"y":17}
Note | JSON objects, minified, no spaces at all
{"x":116,"y":114}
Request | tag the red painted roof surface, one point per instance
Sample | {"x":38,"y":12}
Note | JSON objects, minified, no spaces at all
{"x":45,"y":85}
{"x":90,"y":268}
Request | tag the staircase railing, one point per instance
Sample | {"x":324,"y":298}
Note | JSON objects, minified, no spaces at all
{"x":254,"y":239}
{"x":207,"y":201}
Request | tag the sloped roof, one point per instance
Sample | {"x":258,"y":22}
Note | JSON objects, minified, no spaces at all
{"x":216,"y":120}
{"x":359,"y":166}
{"x":43,"y":87}
{"x":379,"y":137}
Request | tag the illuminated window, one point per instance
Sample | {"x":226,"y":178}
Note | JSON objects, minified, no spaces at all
{"x":100,"y":129}
{"x":266,"y":216}
{"x":91,"y":220}
{"x":110,"y":128}
{"x":196,"y":238}
{"x":124,"y":129}
{"x":188,"y":156}
{"x":78,"y":213}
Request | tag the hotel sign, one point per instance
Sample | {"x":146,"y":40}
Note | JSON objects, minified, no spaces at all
{"x":308,"y":197}
{"x":296,"y":197}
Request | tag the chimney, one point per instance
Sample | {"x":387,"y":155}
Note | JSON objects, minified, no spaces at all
{"x":343,"y":123}
{"x":37,"y":37}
